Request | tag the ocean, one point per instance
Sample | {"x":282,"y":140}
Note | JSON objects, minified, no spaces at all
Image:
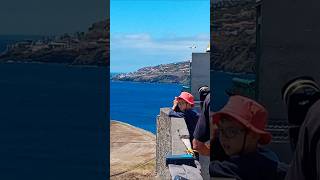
{"x":53,"y":117}
{"x":139,"y":103}
{"x":52,"y":122}
{"x":220,"y":82}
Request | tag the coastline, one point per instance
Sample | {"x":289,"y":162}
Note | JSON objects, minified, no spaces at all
{"x":218,"y":71}
{"x":233,"y":73}
{"x":147,"y":82}
{"x":132,"y":126}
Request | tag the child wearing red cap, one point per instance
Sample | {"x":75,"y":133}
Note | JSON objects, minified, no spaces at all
{"x":241,"y":127}
{"x":183,"y":108}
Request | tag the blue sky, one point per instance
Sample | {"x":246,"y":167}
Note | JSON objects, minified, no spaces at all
{"x":151,"y":32}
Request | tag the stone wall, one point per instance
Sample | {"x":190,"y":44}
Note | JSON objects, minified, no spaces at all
{"x":164,"y":144}
{"x":168,"y":140}
{"x":169,"y":130}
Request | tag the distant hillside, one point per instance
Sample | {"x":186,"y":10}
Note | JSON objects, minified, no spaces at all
{"x":11,"y":39}
{"x":113,"y":75}
{"x":233,"y":36}
{"x":80,"y":48}
{"x":164,"y":73}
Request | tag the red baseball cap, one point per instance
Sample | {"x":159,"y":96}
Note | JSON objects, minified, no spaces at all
{"x":187,"y":97}
{"x":247,"y":112}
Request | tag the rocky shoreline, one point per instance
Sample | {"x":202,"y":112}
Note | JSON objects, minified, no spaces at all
{"x":81,"y":48}
{"x":234,"y":36}
{"x":164,"y":73}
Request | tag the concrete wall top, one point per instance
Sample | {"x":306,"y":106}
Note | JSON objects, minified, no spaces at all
{"x":168,"y":140}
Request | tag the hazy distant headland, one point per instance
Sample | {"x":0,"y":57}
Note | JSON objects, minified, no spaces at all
{"x":80,"y":48}
{"x":174,"y":73}
{"x":164,"y":73}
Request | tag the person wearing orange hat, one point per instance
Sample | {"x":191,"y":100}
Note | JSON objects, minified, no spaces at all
{"x":241,"y":130}
{"x":183,"y":108}
{"x":183,"y":102}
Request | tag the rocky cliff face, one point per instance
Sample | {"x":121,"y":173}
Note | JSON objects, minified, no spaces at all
{"x":234,"y":36}
{"x":164,"y":73}
{"x":81,"y":48}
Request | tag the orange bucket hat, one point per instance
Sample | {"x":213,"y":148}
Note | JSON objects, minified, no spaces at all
{"x":187,"y":97}
{"x":247,"y":112}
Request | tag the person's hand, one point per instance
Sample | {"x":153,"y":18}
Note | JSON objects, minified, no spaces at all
{"x":175,"y":103}
{"x":201,"y":147}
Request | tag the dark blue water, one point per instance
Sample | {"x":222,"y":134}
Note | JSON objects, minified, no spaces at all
{"x":139,"y":103}
{"x":220,"y":82}
{"x":52,"y":122}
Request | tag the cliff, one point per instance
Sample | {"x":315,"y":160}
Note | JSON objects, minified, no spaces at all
{"x":132,"y":152}
{"x":233,"y":47}
{"x":164,"y":73}
{"x":80,"y":48}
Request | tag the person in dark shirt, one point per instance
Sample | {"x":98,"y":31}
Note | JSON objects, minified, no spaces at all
{"x":202,"y":130}
{"x":203,"y":91}
{"x":202,"y":142}
{"x":241,"y":129}
{"x":302,"y":98}
{"x":183,"y":108}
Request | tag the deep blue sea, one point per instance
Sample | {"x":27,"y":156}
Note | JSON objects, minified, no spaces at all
{"x":53,"y":117}
{"x":138,"y":103}
{"x":220,"y":82}
{"x":52,"y":122}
